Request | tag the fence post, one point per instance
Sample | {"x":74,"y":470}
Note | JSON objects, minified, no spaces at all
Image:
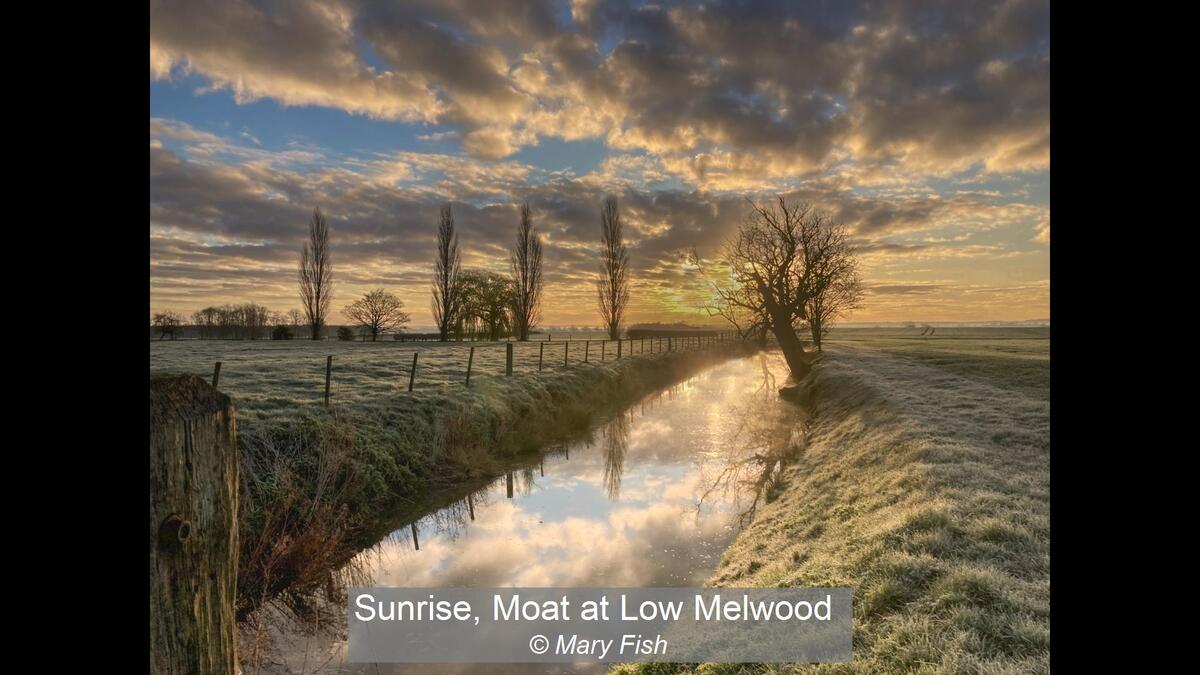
{"x":508,"y":347}
{"x":412,"y":374}
{"x":193,"y":535}
{"x":470,"y":361}
{"x":586,"y":347}
{"x":541,"y":352}
{"x":509,"y":485}
{"x":216,"y":374}
{"x":416,"y":544}
{"x":566,"y":352}
{"x":620,"y":342}
{"x":603,"y":344}
{"x":328,"y":372}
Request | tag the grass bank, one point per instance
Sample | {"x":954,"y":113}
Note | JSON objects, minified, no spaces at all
{"x":315,"y":486}
{"x":923,"y":484}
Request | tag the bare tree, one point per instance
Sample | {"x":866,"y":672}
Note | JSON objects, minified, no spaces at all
{"x":376,"y":312}
{"x":294,"y":317}
{"x":783,"y":256}
{"x":167,"y":323}
{"x":316,"y":274}
{"x":835,"y":287}
{"x":612,"y":288}
{"x":253,"y":319}
{"x":206,"y":320}
{"x":526,"y":262}
{"x":447,"y":288}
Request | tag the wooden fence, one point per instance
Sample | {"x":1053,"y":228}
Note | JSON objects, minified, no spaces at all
{"x":594,"y":352}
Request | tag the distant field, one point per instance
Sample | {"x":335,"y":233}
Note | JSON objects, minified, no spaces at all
{"x":939,"y":332}
{"x":1012,"y":358}
{"x":271,"y":377}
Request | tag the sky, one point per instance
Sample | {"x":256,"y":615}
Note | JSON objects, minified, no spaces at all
{"x":923,"y":127}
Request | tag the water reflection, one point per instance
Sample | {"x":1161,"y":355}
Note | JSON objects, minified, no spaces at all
{"x":616,"y":444}
{"x":649,"y":497}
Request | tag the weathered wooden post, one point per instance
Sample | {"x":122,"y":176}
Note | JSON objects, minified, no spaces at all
{"x":328,"y":372}
{"x":510,"y":484}
{"x":193,"y":526}
{"x":620,"y":342}
{"x":470,"y":361}
{"x":471,"y":505}
{"x":216,"y":374}
{"x":603,"y":344}
{"x":587,"y":346}
{"x":541,"y":352}
{"x":412,"y":374}
{"x":416,"y":544}
{"x":566,"y":352}
{"x":508,"y":347}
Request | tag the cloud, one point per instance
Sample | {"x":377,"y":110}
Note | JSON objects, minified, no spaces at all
{"x":225,"y":230}
{"x":1043,"y":233}
{"x":298,"y":53}
{"x":723,"y":93}
{"x":903,"y":289}
{"x":882,"y":113}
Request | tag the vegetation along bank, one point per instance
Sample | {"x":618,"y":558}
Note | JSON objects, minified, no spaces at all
{"x":315,"y":485}
{"x":922,"y":482}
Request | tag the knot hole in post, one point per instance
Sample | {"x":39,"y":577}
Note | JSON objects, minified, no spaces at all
{"x":174,"y":532}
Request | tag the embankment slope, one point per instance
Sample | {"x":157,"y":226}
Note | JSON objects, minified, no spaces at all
{"x":927,"y":491}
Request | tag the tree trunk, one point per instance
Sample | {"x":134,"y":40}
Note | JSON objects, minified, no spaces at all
{"x":793,"y":350}
{"x":193,"y":527}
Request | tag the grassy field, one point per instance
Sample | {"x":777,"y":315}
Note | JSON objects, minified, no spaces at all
{"x":1012,"y":358}
{"x":275,"y":378}
{"x":924,"y":485}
